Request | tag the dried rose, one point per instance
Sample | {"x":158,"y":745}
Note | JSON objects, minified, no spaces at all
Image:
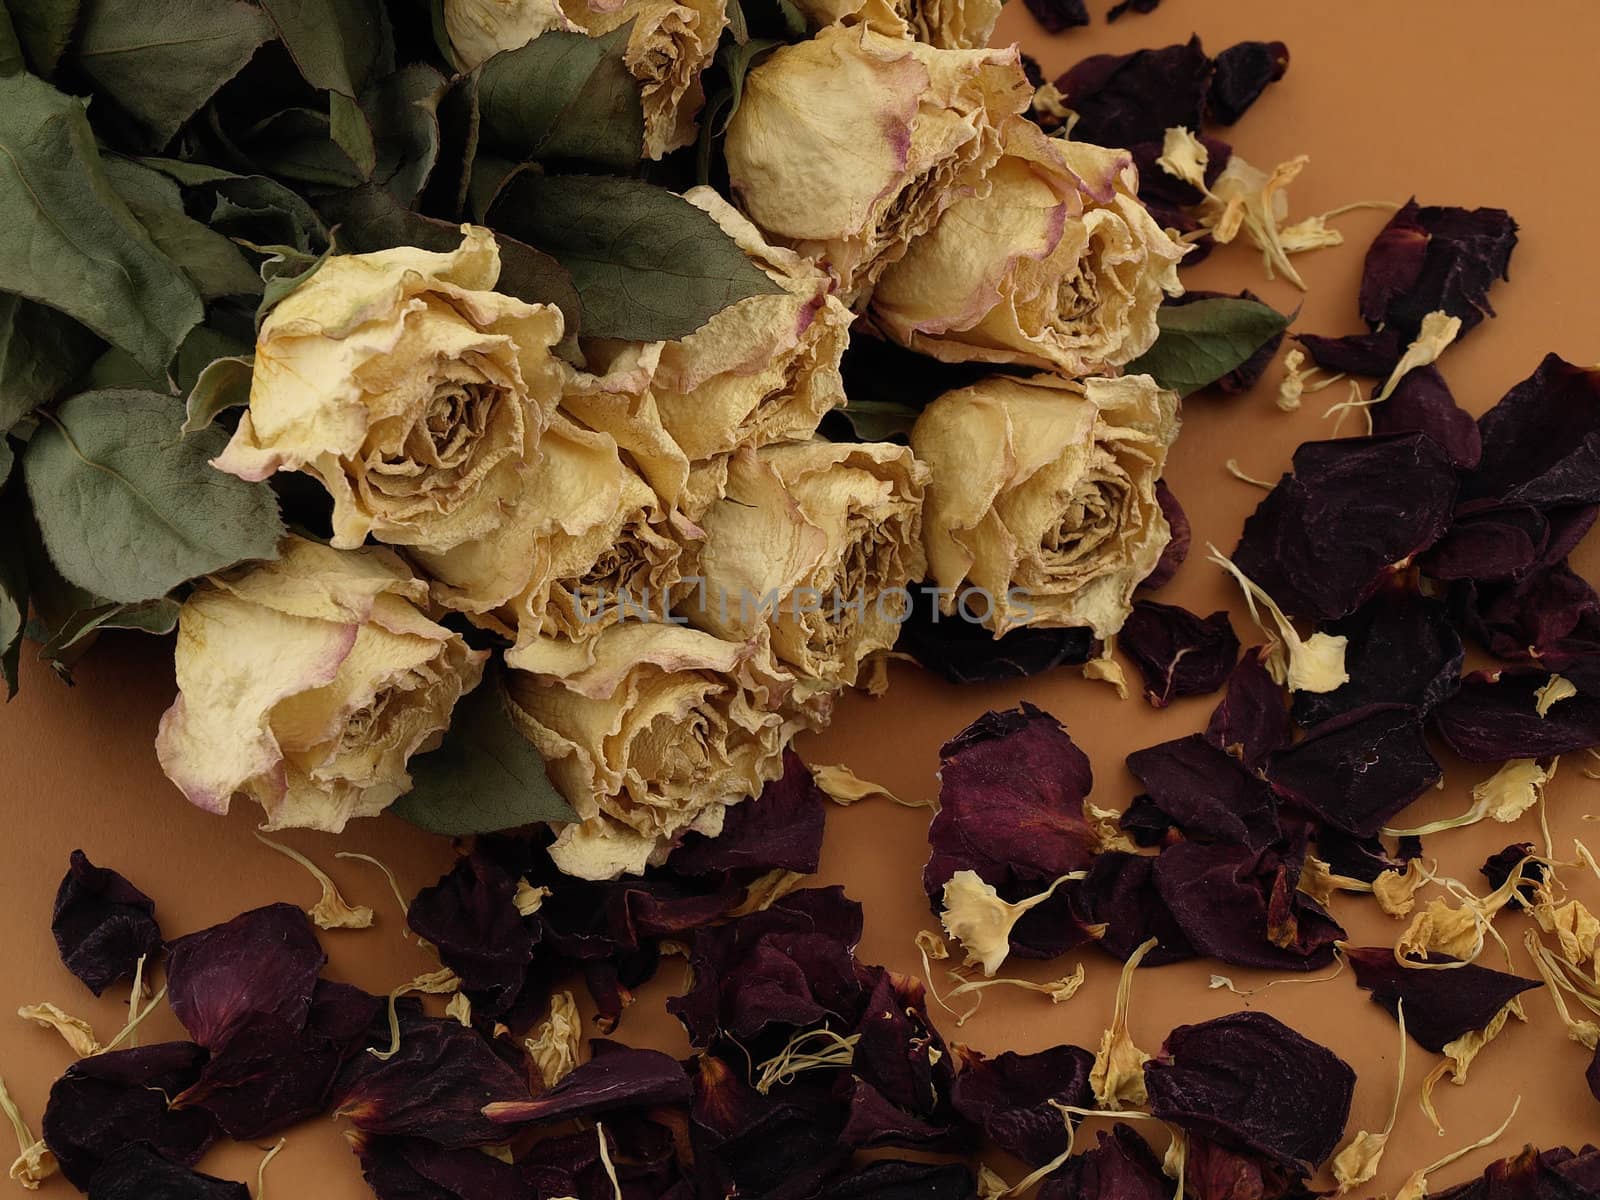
{"x":923,"y":132}
{"x":307,"y":683}
{"x":1043,"y":496}
{"x":668,"y":728}
{"x":947,"y":24}
{"x":1056,"y":265}
{"x":818,"y":541}
{"x":670,"y":44}
{"x":415,"y":394}
{"x":613,"y":552}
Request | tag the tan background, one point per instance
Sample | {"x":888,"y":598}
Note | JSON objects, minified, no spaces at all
{"x":1469,"y":102}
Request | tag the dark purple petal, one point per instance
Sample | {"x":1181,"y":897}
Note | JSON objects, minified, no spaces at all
{"x":1177,"y":653}
{"x":1243,"y":907}
{"x":781,"y":829}
{"x":1177,"y":549}
{"x":1253,"y":718}
{"x":900,"y":1179}
{"x":780,"y":1146}
{"x":641,"y":1153}
{"x":1491,"y":541}
{"x":1120,"y":895}
{"x":875,"y":1120}
{"x":1497,"y":868}
{"x":1357,"y":770}
{"x":1440,"y":1006}
{"x":963,"y":651}
{"x":1122,"y":100}
{"x":1206,"y":792}
{"x":900,"y":1052}
{"x":1126,"y":6}
{"x":435,"y":1088}
{"x":1374,"y":354}
{"x":1011,"y":791}
{"x":1326,"y":537}
{"x":413,"y":1169}
{"x":616,"y":1077}
{"x":1548,"y":617}
{"x":1007,"y":1096}
{"x":138,"y":1173}
{"x":1402,"y":649}
{"x":111,"y":1101}
{"x":102,"y":924}
{"x":1120,"y":1167}
{"x":470,"y":917}
{"x":1058,"y":16}
{"x":1541,"y":442}
{"x":1532,"y":1175}
{"x":1494,"y":717}
{"x":1362,"y":858}
{"x":1243,"y":72}
{"x":269,"y":1076}
{"x":1251,"y":1084}
{"x":790,"y":964}
{"x":1213,"y":1173}
{"x":1422,"y":403}
{"x":263,"y":963}
{"x":1428,"y":259}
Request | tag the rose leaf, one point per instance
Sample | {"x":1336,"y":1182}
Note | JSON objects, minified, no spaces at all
{"x":41,"y":351}
{"x":43,"y":30}
{"x":162,"y":59}
{"x":336,"y":44}
{"x":213,"y":263}
{"x":1203,"y":341}
{"x":484,"y":778}
{"x":648,"y":265}
{"x":129,"y":508}
{"x":106,"y":272}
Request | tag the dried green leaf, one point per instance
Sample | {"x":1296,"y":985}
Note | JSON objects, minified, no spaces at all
{"x":41,"y":351}
{"x":212,"y":262}
{"x":252,"y":208}
{"x":11,"y":59}
{"x":647,"y":264}
{"x":161,"y":60}
{"x":352,"y":133}
{"x":159,"y":616}
{"x":44,"y":27}
{"x":129,"y":508}
{"x":224,"y":384}
{"x":879,"y":420}
{"x":13,"y":581}
{"x":338,"y":45}
{"x":485,"y":777}
{"x":69,"y":242}
{"x":403,"y":110}
{"x":1203,"y":341}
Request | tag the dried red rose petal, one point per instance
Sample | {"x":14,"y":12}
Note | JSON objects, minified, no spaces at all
{"x":1177,"y":548}
{"x":790,"y":964}
{"x":1243,"y":72}
{"x":781,"y":1145}
{"x":965,"y":652}
{"x":263,"y":963}
{"x":1120,"y":1167}
{"x":1122,"y":100}
{"x":781,"y":829}
{"x":1251,"y":1084}
{"x":1440,"y":1006}
{"x":1374,"y":354}
{"x":1058,"y":16}
{"x":1253,"y":718}
{"x":1011,"y":791}
{"x":1214,"y":1173}
{"x":1242,"y":907}
{"x":875,"y":1120}
{"x":1541,"y":442}
{"x":413,"y":1169}
{"x":1495,"y":717}
{"x":1326,"y":537}
{"x":1497,"y":868}
{"x":900,"y":1054}
{"x":1359,"y":769}
{"x":435,"y":1087}
{"x":1206,"y":792}
{"x":1550,"y":617}
{"x":110,"y":1101}
{"x":470,"y":917}
{"x":1007,"y":1096}
{"x":269,"y":1076}
{"x":1435,"y":258}
{"x":901,"y":1179}
{"x":102,"y":924}
{"x":642,"y":1158}
{"x":1363,"y":858}
{"x":1120,"y":894}
{"x":138,"y":1173}
{"x":1493,"y":541}
{"x":1177,"y":653}
{"x":1402,"y":648}
{"x":615,"y":1077}
{"x":1126,"y":6}
{"x":1532,"y":1174}
{"x":1422,"y":403}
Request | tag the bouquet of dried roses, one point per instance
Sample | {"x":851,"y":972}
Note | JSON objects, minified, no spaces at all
{"x":450,"y":377}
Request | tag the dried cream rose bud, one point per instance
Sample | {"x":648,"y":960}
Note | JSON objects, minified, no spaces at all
{"x":818,"y":541}
{"x":668,"y":728}
{"x":1058,"y":266}
{"x":413,"y":392}
{"x":851,"y":144}
{"x":671,"y":43}
{"x":307,"y":684}
{"x":948,"y":24}
{"x":1042,"y":499}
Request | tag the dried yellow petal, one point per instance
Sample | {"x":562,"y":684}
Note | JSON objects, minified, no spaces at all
{"x":35,"y":1161}
{"x":1185,"y":157}
{"x":1315,"y":664}
{"x":1396,"y":891}
{"x":1106,"y":669}
{"x":1118,"y":1073}
{"x":76,"y":1032}
{"x":332,"y":911}
{"x":976,"y":916}
{"x":844,"y":787}
{"x":1552,"y":693}
{"x":556,"y":1042}
{"x":528,"y":898}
